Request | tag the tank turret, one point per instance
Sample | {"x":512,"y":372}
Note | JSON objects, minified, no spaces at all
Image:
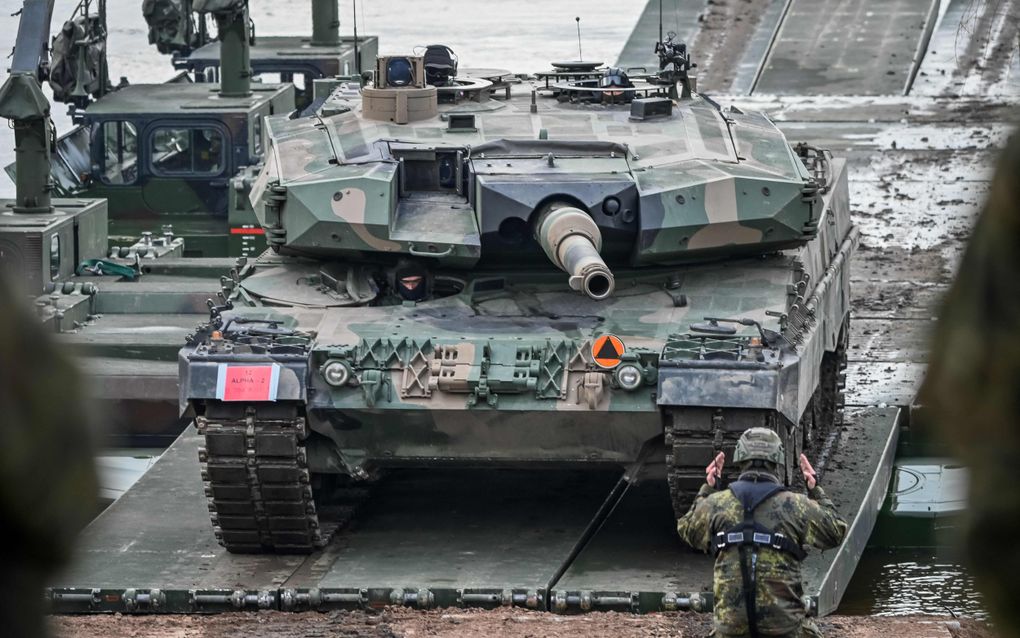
{"x":583,"y":184}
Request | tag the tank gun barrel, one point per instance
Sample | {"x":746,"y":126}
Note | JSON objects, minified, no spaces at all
{"x":572,"y":241}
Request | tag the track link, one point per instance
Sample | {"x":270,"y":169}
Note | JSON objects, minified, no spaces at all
{"x":693,"y":436}
{"x":259,"y":488}
{"x":833,"y":380}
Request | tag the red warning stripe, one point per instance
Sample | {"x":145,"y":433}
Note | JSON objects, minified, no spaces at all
{"x":247,"y":231}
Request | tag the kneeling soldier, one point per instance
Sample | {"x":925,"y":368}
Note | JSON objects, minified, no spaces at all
{"x":757,"y":531}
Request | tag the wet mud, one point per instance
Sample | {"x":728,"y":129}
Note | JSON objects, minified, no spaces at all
{"x":724,"y":29}
{"x":459,"y":623}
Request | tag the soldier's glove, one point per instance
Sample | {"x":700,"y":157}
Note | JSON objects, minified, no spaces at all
{"x":810,"y":477}
{"x":713,"y":473}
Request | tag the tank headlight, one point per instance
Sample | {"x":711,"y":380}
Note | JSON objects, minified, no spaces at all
{"x":629,"y":376}
{"x":336,"y":373}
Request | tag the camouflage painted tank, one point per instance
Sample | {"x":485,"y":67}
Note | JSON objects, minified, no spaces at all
{"x":571,"y":274}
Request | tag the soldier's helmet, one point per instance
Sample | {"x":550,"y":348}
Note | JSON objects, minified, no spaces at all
{"x":759,"y":444}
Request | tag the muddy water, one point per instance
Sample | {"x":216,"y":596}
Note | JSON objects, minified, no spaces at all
{"x":897,"y":582}
{"x":913,"y":563}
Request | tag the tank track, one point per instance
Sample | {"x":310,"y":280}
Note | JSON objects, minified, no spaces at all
{"x":833,"y":380}
{"x":692,"y":436}
{"x":259,"y":488}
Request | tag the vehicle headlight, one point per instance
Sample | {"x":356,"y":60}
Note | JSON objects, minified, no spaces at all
{"x":336,"y":373}
{"x":629,"y":376}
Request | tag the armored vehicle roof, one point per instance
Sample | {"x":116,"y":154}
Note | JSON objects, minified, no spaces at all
{"x":723,"y":143}
{"x":687,"y":182}
{"x":270,"y":49}
{"x":184,"y":96}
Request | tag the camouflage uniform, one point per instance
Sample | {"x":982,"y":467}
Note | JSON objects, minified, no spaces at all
{"x":973,"y":388}
{"x":809,"y":520}
{"x":47,"y":477}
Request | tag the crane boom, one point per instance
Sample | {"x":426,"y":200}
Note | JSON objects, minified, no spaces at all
{"x":23,"y":103}
{"x":31,"y":49}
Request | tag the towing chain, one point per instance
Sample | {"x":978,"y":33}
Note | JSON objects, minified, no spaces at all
{"x":259,"y":487}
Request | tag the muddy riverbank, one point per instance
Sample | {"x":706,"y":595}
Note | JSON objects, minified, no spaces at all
{"x":460,"y":623}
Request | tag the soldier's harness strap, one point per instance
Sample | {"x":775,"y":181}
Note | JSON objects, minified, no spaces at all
{"x":749,"y":535}
{"x":751,"y":494}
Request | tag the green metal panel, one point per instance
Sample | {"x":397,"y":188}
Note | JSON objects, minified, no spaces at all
{"x":180,"y":97}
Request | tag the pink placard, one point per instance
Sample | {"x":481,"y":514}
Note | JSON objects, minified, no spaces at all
{"x":247,"y":383}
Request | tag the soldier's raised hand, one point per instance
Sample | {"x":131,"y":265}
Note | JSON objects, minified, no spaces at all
{"x":809,"y":472}
{"x":714,"y":470}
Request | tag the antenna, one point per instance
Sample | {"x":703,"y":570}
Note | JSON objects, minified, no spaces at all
{"x":357,"y":56}
{"x":660,"y":21}
{"x":579,"y":56}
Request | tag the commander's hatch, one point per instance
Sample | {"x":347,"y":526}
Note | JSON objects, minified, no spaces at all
{"x":433,"y":212}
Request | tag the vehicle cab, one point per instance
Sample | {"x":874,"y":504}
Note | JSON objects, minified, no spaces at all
{"x":166,"y":154}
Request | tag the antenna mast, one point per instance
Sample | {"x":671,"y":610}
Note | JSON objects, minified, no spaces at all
{"x":357,"y":56}
{"x":660,"y":21}
{"x":580,"y":57}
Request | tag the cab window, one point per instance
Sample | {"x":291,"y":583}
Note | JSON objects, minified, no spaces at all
{"x":54,"y":256}
{"x":120,"y":153}
{"x":257,"y":134}
{"x":302,"y":84}
{"x":187,"y":151}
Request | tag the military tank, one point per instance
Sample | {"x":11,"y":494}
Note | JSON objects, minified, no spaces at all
{"x":579,"y":269}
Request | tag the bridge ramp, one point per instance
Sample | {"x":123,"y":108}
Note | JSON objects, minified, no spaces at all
{"x":848,"y":47}
{"x":563,"y":540}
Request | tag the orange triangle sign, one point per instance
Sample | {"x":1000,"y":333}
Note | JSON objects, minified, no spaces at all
{"x":607,"y":350}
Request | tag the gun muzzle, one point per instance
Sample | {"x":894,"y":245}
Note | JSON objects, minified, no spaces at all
{"x":571,"y":240}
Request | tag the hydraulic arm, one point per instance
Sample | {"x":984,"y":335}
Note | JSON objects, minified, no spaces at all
{"x":23,"y":103}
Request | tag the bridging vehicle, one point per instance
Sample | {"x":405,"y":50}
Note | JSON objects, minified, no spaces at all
{"x":176,"y":28}
{"x":175,"y":154}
